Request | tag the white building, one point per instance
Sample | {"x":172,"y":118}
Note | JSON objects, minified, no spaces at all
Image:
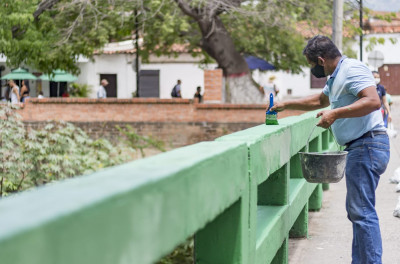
{"x":116,"y":63}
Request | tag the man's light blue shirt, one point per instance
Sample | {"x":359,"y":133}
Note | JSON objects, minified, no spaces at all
{"x":349,"y":78}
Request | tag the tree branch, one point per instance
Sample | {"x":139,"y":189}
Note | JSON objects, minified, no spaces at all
{"x":43,"y":6}
{"x":184,"y":6}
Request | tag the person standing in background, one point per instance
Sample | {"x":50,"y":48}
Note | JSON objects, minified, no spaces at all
{"x":198,"y":94}
{"x":14,"y":94}
{"x":24,"y":90}
{"x":101,"y":92}
{"x":269,"y":88}
{"x":387,"y":117}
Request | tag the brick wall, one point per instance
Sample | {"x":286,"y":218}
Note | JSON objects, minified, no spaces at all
{"x":174,"y":134}
{"x":213,"y":86}
{"x":176,"y":121}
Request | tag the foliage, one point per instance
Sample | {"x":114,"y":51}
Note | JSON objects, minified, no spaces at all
{"x":13,"y":166}
{"x":354,"y":31}
{"x":183,"y":254}
{"x":79,"y":90}
{"x":267,"y":29}
{"x":54,"y":37}
{"x":138,"y":142}
{"x":58,"y":151}
{"x":73,"y":28}
{"x":53,"y":41}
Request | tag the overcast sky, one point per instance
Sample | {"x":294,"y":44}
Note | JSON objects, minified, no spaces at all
{"x":383,"y":5}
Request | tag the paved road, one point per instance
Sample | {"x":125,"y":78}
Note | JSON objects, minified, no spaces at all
{"x":330,"y":233}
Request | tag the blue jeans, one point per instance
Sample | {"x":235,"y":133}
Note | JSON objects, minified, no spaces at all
{"x":366,"y":161}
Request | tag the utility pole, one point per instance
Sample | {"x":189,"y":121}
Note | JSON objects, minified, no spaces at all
{"x":337,"y":26}
{"x":361,"y":30}
{"x":137,"y":52}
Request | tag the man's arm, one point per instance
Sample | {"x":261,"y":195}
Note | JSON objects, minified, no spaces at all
{"x":308,"y":103}
{"x":369,"y":101}
{"x":386,"y":106}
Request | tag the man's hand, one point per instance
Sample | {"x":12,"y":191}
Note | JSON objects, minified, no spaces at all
{"x":328,"y":117}
{"x":278,"y":107}
{"x":389,"y":118}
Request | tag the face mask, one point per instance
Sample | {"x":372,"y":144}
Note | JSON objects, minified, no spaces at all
{"x":318,"y":71}
{"x":377,"y":80}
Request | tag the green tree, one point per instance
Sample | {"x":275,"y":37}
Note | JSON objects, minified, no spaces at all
{"x":51,"y":34}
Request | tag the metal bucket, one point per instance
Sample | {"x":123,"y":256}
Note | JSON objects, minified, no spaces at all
{"x":323,"y":167}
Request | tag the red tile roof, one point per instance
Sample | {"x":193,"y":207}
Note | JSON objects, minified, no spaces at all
{"x":128,"y":47}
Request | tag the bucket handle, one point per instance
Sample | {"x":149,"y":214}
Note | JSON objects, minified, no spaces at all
{"x":312,"y":131}
{"x":337,"y":144}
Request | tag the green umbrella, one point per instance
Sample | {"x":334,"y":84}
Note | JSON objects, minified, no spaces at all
{"x":19,"y":74}
{"x":59,"y":76}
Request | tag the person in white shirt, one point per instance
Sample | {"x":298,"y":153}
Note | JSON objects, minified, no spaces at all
{"x":14,"y":92}
{"x":101,"y":92}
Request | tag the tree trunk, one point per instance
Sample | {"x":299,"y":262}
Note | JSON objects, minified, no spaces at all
{"x":241,"y":90}
{"x":218,"y":44}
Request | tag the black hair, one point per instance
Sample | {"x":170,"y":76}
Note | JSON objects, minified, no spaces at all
{"x":26,"y":82}
{"x":321,"y":46}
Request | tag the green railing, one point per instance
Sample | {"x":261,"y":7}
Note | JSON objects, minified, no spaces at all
{"x":242,"y":196}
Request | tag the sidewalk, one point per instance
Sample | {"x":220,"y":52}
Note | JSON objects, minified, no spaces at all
{"x":330,"y":232}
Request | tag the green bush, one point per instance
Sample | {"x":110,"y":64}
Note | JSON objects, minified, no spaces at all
{"x":58,"y":151}
{"x":79,"y":90}
{"x":138,"y":142}
{"x":61,"y":150}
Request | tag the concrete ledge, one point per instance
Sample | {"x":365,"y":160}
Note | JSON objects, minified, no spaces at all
{"x":72,"y":100}
{"x":133,"y":213}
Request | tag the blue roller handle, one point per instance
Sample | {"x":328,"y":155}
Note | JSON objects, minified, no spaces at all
{"x":271,"y":100}
{"x":271,"y":104}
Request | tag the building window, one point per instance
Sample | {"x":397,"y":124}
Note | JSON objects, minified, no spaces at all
{"x":317,"y":83}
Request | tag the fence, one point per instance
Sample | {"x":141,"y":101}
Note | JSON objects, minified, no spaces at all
{"x":242,"y":196}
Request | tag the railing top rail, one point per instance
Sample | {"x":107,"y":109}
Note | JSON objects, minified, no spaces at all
{"x":159,"y":201}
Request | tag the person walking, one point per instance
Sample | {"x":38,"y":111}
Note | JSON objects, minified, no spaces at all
{"x":356,"y":123}
{"x":387,"y":116}
{"x":14,"y":94}
{"x":176,"y":91}
{"x":101,"y":92}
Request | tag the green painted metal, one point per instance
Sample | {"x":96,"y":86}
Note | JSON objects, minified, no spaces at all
{"x":242,"y":196}
{"x":134,"y":213}
{"x":283,"y":253}
{"x":274,"y":191}
{"x":272,"y":226}
{"x":315,"y":202}
{"x":281,"y":199}
{"x":300,"y":227}
{"x":225,"y":240}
